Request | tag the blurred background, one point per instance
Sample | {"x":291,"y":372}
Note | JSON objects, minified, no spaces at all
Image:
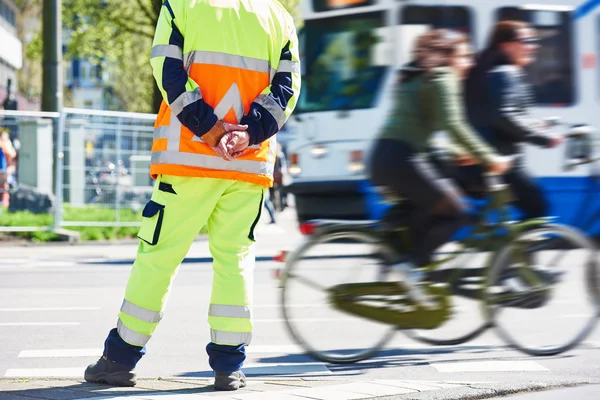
{"x":79,"y":101}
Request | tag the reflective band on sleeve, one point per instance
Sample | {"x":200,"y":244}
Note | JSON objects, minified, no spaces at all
{"x":273,"y":108}
{"x":167,"y":50}
{"x":141,"y":313}
{"x":289,"y":66}
{"x":227,"y":60}
{"x":230,"y":338}
{"x":223,"y":310}
{"x":131,"y":337}
{"x":212,"y":162}
{"x":184,"y":100}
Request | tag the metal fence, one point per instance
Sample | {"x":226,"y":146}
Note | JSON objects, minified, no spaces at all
{"x":101,"y":175}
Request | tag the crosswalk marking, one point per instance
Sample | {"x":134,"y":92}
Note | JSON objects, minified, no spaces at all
{"x":488,"y":366}
{"x":64,"y":353}
{"x":44,"y":372}
{"x":39,"y":323}
{"x":24,"y":309}
{"x":56,"y":353}
{"x":285,"y":369}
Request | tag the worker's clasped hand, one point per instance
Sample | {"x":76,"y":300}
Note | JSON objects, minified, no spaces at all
{"x":234,"y":142}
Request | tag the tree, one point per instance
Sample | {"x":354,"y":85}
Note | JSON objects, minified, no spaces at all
{"x":117,"y":36}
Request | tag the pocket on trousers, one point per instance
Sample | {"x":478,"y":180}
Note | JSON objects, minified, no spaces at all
{"x":257,"y":219}
{"x":152,"y":214}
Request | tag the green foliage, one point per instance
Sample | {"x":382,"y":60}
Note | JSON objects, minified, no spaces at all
{"x":118,"y":35}
{"x":90,"y":213}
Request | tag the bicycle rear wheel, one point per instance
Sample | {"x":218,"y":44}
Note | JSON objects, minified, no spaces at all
{"x":326,"y":333}
{"x":529,"y":310}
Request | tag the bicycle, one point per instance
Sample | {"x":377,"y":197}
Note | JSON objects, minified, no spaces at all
{"x":510,"y":244}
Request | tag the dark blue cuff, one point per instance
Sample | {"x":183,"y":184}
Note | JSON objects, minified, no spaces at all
{"x":223,"y":358}
{"x":199,"y":127}
{"x":261,"y":124}
{"x":117,"y":350}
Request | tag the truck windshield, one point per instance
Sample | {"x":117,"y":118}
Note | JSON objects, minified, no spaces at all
{"x":344,"y":62}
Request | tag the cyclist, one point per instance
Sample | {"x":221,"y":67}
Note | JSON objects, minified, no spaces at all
{"x":427,"y":100}
{"x":498,"y":101}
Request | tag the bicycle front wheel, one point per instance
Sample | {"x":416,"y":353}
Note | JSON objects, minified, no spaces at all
{"x":326,"y":333}
{"x":542,"y":290}
{"x":464,"y":274}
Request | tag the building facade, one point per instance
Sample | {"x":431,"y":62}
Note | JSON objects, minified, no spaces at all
{"x":11,"y":54}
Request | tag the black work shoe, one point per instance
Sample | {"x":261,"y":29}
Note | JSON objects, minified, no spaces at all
{"x":229,"y":380}
{"x":110,"y":373}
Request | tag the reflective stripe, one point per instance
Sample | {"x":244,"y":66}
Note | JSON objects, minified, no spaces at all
{"x":227,"y":60}
{"x":185,"y":99}
{"x":167,"y":50}
{"x":141,"y":313}
{"x":231,"y":99}
{"x":174,"y":133}
{"x":273,"y":108}
{"x":223,"y":310}
{"x":212,"y":162}
{"x":230,"y":338}
{"x":131,"y":337}
{"x":161,"y":132}
{"x":273,"y":149}
{"x":289,"y":66}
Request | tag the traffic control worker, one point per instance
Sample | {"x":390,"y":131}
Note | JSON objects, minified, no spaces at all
{"x":229,"y":74}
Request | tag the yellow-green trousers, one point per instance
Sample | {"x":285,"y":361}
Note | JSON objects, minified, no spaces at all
{"x":178,"y":209}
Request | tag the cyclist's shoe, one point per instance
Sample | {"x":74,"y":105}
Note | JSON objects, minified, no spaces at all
{"x":110,"y":373}
{"x":413,"y":278}
{"x":227,"y":381}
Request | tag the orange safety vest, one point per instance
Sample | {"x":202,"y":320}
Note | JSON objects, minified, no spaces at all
{"x":231,"y":72}
{"x":177,"y":151}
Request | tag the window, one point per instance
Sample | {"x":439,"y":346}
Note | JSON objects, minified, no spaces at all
{"x":7,"y":13}
{"x":552,"y":75}
{"x":326,"y":5}
{"x":345,"y":59}
{"x":416,"y":20}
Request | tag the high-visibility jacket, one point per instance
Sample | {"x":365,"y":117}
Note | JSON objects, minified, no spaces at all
{"x":234,"y":60}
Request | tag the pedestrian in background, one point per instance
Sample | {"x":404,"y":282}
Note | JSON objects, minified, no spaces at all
{"x":229,"y":75}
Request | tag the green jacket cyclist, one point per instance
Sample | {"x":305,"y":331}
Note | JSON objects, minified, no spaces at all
{"x":428,"y":100}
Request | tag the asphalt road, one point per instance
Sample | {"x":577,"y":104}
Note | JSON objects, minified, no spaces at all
{"x":57,"y":303}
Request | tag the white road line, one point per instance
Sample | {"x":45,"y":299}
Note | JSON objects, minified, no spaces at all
{"x":23,"y":309}
{"x":285,"y":369}
{"x":44,"y":372}
{"x":290,"y":305}
{"x":285,"y":349}
{"x":488,"y":366}
{"x":49,"y":264}
{"x":575,"y":316}
{"x":14,"y":261}
{"x":347,"y":319}
{"x":39,"y":323}
{"x":56,"y":353}
{"x":63,"y":353}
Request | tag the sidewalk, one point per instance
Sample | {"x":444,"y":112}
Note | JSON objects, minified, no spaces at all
{"x":197,"y":389}
{"x":287,"y":389}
